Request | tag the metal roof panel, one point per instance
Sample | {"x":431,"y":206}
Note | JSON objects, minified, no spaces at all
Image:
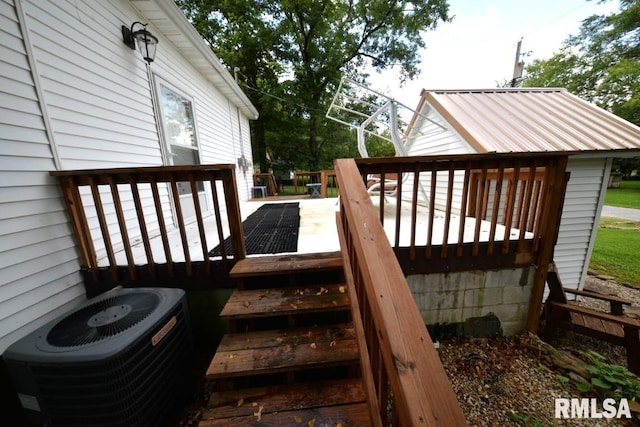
{"x":532,"y":120}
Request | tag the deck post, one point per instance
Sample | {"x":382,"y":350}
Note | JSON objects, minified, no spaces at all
{"x":238,"y":244}
{"x":554,"y":192}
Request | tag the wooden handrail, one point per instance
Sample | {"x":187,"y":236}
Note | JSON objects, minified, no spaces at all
{"x":147,"y":204}
{"x":410,"y":386}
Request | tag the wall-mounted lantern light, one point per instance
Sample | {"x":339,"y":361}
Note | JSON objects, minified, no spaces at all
{"x":147,"y":42}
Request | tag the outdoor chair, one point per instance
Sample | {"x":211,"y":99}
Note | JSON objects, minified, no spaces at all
{"x":612,"y":326}
{"x":389,"y":187}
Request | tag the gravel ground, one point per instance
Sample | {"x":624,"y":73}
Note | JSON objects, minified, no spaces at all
{"x":506,"y":382}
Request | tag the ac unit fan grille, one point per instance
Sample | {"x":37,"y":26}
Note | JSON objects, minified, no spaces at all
{"x":103,"y":319}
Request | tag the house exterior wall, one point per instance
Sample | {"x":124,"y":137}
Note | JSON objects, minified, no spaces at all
{"x":39,"y":265}
{"x":74,"y":96}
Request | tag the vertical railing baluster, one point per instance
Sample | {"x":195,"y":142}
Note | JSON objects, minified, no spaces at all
{"x":414,"y":211}
{"x":496,"y":209}
{"x":218,"y":219}
{"x":104,"y":228}
{"x":463,"y":209}
{"x":381,"y":197}
{"x":181,"y":226}
{"x":146,"y":242}
{"x":478,"y":213}
{"x":447,"y":217}
{"x":203,"y":238}
{"x":163,"y":227}
{"x":432,"y":209}
{"x":398,"y":208}
{"x":122,"y":224}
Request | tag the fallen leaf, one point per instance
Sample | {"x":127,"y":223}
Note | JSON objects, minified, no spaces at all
{"x":312,"y":422}
{"x":339,"y":425}
{"x":297,"y":419}
{"x":259,"y":413}
{"x":322,"y":291}
{"x":292,"y":305}
{"x":286,"y":349}
{"x":279,"y":339}
{"x":313,"y":345}
{"x":334,"y":302}
{"x":254,"y":404}
{"x":232,"y":356}
{"x":332,"y":343}
{"x":342,"y":289}
{"x":240,"y":402}
{"x":246,"y":303}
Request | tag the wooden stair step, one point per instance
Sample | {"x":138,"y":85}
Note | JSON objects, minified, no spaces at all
{"x":283,"y":350}
{"x":355,"y":414}
{"x":286,"y":264}
{"x":245,"y":304}
{"x":328,"y":402}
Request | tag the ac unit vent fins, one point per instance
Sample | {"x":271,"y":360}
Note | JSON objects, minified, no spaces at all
{"x":103,"y":319}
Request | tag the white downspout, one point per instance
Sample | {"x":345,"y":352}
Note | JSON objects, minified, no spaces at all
{"x":48,"y":127}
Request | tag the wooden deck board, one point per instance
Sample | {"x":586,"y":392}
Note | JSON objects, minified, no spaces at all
{"x":245,"y":304}
{"x":347,"y":415}
{"x":288,"y":397}
{"x":598,"y":325}
{"x":286,"y":264}
{"x":283,"y":350}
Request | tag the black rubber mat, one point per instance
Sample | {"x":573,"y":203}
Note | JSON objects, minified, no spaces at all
{"x":271,"y":229}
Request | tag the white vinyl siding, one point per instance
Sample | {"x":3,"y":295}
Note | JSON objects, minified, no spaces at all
{"x":579,"y":216}
{"x":432,"y":139}
{"x":97,"y":94}
{"x":39,"y":267}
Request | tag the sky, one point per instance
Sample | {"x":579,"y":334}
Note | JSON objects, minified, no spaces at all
{"x":478,"y":48}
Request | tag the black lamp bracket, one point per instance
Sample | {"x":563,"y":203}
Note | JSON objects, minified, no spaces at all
{"x":127,"y":34}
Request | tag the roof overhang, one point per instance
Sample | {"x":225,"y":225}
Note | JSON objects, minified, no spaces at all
{"x":169,"y":20}
{"x":533,"y":120}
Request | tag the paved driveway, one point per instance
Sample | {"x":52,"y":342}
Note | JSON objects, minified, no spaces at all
{"x":624,"y":213}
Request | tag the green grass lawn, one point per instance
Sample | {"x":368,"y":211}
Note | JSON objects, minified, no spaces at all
{"x":627,"y":196}
{"x":616,"y":250}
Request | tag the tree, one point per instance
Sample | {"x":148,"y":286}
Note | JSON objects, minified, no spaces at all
{"x":297,"y":50}
{"x":600,"y":64}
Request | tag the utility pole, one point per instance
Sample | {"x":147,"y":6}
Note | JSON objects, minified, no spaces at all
{"x":518,"y":67}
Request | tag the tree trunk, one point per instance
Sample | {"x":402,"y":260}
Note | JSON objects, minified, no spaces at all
{"x":259,"y":144}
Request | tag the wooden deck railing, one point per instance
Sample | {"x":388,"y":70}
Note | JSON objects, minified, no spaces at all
{"x":405,"y":381}
{"x":507,"y":199}
{"x":119,"y":209}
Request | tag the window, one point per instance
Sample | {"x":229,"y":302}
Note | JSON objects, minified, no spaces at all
{"x":179,"y":132}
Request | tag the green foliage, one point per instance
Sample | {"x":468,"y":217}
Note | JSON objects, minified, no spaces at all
{"x":600,"y":64}
{"x":613,"y":258}
{"x":525,"y":420}
{"x":292,"y":53}
{"x":611,"y":380}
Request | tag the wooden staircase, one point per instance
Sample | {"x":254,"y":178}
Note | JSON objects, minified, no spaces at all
{"x":292,"y":356}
